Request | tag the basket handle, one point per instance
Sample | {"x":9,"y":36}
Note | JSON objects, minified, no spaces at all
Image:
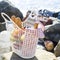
{"x":3,"y":15}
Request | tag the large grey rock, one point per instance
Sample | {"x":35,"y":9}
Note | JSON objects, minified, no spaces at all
{"x":10,"y":10}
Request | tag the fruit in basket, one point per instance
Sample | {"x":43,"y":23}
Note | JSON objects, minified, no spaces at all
{"x":17,"y":21}
{"x":22,"y":37}
{"x":14,"y":35}
{"x":12,"y":38}
{"x":15,"y":32}
{"x":36,"y":25}
{"x":13,"y":17}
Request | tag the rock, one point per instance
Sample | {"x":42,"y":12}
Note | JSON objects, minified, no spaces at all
{"x":57,"y":49}
{"x":7,"y":8}
{"x":58,"y":58}
{"x":45,"y":55}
